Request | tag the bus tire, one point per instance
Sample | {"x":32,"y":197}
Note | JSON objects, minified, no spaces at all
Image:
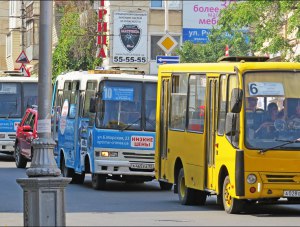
{"x":78,"y":178}
{"x":231,"y":205}
{"x":187,"y":196}
{"x":66,"y":171}
{"x":200,"y":197}
{"x":98,"y":181}
{"x":20,"y":160}
{"x":165,"y":186}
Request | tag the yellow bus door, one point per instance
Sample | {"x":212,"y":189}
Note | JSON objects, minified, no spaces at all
{"x":164,"y":118}
{"x":210,"y":135}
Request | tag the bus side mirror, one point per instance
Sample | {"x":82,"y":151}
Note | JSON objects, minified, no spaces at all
{"x":236,"y":100}
{"x":93,"y":105}
{"x":231,"y":124}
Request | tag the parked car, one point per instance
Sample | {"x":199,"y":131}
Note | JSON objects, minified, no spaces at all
{"x":25,"y":134}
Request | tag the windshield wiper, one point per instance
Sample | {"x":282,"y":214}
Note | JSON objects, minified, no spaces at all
{"x":286,"y":142}
{"x":129,"y":125}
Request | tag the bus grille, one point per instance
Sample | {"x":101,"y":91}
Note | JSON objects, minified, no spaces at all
{"x":12,"y":136}
{"x":282,"y":178}
{"x":138,"y":156}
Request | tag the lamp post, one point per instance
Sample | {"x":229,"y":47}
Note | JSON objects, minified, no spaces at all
{"x":43,"y":191}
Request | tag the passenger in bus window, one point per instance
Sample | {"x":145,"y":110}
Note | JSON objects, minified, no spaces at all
{"x":294,"y":121}
{"x":251,"y":104}
{"x":267,"y":127}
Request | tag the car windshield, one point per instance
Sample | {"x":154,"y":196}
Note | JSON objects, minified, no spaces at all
{"x":272,"y":109}
{"x":126,"y":105}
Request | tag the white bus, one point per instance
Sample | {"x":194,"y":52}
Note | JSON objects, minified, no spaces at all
{"x":105,"y":125}
{"x":16,"y":94}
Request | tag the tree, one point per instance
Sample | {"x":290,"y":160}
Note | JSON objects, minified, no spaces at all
{"x":76,"y":48}
{"x":215,"y":47}
{"x":273,"y":25}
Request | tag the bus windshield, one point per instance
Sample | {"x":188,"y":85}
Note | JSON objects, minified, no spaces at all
{"x":10,"y":99}
{"x":272,"y":109}
{"x":121,"y":105}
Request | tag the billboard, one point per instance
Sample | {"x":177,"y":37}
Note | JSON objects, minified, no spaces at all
{"x":130,"y":37}
{"x":199,"y":17}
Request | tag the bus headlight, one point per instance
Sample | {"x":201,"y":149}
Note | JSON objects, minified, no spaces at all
{"x":251,"y":178}
{"x":109,"y":154}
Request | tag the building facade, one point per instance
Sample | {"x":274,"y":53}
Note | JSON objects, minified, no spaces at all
{"x":133,"y":31}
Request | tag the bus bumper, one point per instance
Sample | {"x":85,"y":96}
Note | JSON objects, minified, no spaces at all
{"x":124,"y":168}
{"x":7,"y":146}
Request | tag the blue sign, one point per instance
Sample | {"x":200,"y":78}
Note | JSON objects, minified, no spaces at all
{"x":195,"y":35}
{"x":118,"y":93}
{"x":124,"y":140}
{"x":167,"y":59}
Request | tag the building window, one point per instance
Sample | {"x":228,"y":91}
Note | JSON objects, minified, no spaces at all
{"x":160,"y":4}
{"x":8,"y":45}
{"x":29,"y":34}
{"x":156,"y":50}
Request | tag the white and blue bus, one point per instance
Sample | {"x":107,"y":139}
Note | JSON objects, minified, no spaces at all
{"x":105,"y":125}
{"x":16,"y":94}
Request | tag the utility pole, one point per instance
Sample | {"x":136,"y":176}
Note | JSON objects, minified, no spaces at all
{"x":44,"y":189}
{"x":166,"y":18}
{"x":23,"y":24}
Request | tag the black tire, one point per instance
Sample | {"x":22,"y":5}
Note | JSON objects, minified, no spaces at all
{"x":98,"y":181}
{"x":66,"y":172}
{"x":20,"y":160}
{"x":187,"y":196}
{"x":231,"y":205}
{"x":200,"y":197}
{"x":294,"y":200}
{"x":78,"y":178}
{"x":165,"y":186}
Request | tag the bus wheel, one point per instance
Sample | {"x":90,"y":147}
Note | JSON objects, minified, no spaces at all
{"x":187,"y":196}
{"x":231,"y":205}
{"x":98,"y":181}
{"x":78,"y":178}
{"x":165,"y":186}
{"x":21,"y":161}
{"x":66,"y":171}
{"x":200,"y":197}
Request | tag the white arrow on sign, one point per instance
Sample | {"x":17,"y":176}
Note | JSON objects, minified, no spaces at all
{"x":167,"y":59}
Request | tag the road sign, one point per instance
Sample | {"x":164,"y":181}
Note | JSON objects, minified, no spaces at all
{"x":22,"y":58}
{"x":25,"y":71}
{"x":167,"y":59}
{"x":167,"y":43}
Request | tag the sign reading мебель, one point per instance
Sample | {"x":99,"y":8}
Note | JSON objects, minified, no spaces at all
{"x":130,"y":37}
{"x":199,"y":17}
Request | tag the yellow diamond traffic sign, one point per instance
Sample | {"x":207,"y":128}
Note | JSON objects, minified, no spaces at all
{"x":167,"y":43}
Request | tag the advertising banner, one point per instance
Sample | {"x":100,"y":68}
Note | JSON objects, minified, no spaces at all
{"x":130,"y":37}
{"x":199,"y":17}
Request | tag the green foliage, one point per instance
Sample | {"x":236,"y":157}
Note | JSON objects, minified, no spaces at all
{"x":215,"y":48}
{"x":272,"y":25}
{"x":76,"y":48}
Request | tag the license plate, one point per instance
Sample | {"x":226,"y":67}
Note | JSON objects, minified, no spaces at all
{"x":291,"y":193}
{"x":142,"y":166}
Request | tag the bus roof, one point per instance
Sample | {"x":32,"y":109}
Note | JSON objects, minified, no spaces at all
{"x":228,"y":67}
{"x":84,"y":76}
{"x":18,"y":79}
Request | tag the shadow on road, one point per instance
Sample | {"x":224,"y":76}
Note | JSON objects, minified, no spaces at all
{"x":6,"y":158}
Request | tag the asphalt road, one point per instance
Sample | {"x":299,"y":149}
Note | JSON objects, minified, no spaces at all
{"x":145,"y":204}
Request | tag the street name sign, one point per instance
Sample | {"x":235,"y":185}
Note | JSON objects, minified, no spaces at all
{"x":167,"y":59}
